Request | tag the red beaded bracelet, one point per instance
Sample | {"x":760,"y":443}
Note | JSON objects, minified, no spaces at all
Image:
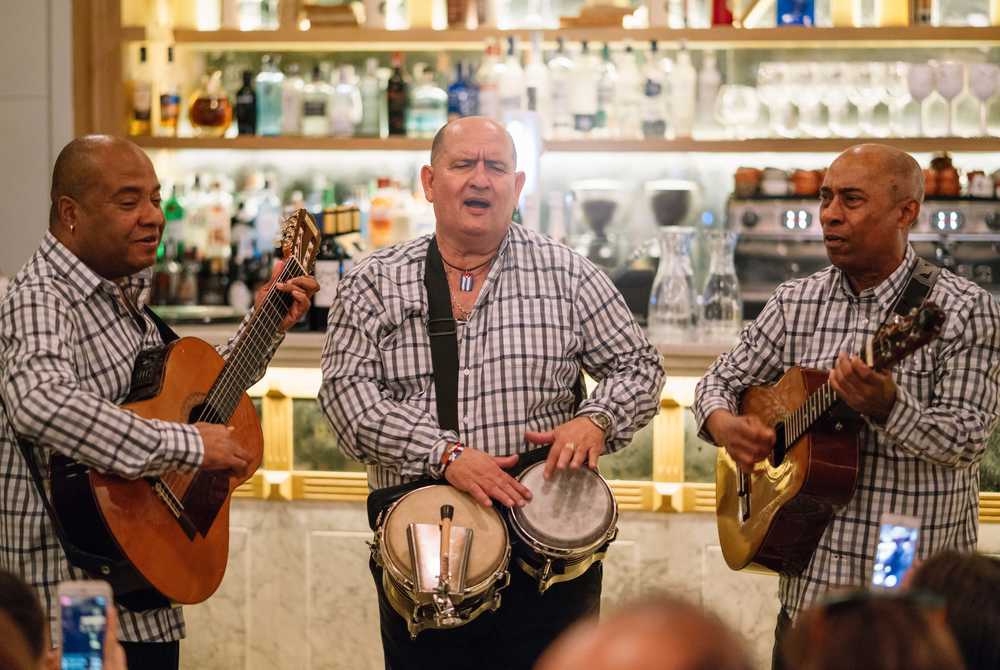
{"x":453,"y":452}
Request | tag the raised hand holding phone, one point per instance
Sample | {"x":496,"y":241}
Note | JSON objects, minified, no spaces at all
{"x":88,"y":627}
{"x":896,"y":551}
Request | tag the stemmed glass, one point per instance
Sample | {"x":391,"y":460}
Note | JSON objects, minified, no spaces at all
{"x":737,"y":108}
{"x":897,"y":91}
{"x":774,"y":92}
{"x":807,"y":83}
{"x":920,"y":79}
{"x":834,"y":96}
{"x":950,"y":79}
{"x":983,"y":84}
{"x":865,"y":91}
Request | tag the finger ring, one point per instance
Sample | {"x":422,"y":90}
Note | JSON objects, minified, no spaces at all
{"x":570,"y":446}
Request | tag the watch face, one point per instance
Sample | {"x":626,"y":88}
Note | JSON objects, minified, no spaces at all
{"x":601,"y":420}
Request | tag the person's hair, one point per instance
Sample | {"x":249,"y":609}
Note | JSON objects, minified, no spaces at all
{"x":872,"y":631}
{"x":20,"y":602}
{"x":970,"y":586}
{"x":437,"y":144}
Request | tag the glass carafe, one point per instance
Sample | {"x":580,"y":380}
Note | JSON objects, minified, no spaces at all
{"x":721,"y":304}
{"x":673,"y":309}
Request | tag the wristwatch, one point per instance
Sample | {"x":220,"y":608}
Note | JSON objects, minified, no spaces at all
{"x":602,"y":421}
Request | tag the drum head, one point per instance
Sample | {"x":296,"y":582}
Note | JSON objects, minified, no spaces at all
{"x":489,"y":536}
{"x":571,"y":510}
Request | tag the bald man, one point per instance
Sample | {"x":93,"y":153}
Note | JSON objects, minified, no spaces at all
{"x":926,"y":423}
{"x":529,"y":315}
{"x":660,"y":633}
{"x":71,"y":328}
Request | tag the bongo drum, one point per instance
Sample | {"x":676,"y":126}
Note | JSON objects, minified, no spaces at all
{"x":486,"y":566}
{"x":567,"y":525}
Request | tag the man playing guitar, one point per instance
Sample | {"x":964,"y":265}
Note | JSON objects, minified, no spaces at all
{"x":925,"y":424}
{"x":71,"y":328}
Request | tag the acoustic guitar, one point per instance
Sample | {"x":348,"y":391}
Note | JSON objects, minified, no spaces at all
{"x":774,"y":517}
{"x":173,"y":530}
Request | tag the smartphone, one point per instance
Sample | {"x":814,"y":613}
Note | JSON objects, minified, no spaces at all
{"x":83,"y":611}
{"x":897,"y":547}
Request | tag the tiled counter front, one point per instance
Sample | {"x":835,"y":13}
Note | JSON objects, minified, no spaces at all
{"x":298,"y":594}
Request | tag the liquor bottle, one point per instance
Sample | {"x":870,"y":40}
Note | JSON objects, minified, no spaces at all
{"x":561,"y":74}
{"x":536,"y":84}
{"x":654,"y":122}
{"x":583,"y":91}
{"x":459,"y":103}
{"x":371,"y":101}
{"x":212,"y":282}
{"x":488,"y":80}
{"x":606,"y":120}
{"x":380,"y":214}
{"x":397,"y":97}
{"x":142,"y":98}
{"x":268,"y":221}
{"x":210,"y":111}
{"x":160,"y":289}
{"x":270,"y":95}
{"x":195,"y":203}
{"x":629,"y":95}
{"x":187,"y":284}
{"x":170,"y":99}
{"x":315,"y":102}
{"x":511,"y":85}
{"x":327,"y":274}
{"x":246,"y":106}
{"x":345,"y":104}
{"x":709,"y":81}
{"x":174,"y":218}
{"x":218,"y":222}
{"x":683,"y":88}
{"x":238,"y":293}
{"x":428,"y":108}
{"x":291,"y":101}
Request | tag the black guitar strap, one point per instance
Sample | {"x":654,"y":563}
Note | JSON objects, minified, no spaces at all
{"x":922,"y":280}
{"x":166,"y":332}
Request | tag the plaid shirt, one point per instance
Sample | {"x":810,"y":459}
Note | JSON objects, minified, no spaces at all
{"x":924,"y":461}
{"x":68,"y":342}
{"x":542,"y":313}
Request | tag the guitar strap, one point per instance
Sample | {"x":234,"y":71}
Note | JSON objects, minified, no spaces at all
{"x":922,"y":280}
{"x":118,"y":572}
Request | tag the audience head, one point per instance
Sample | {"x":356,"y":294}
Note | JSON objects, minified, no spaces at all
{"x":875,"y":632}
{"x":662,"y":633}
{"x":22,"y":624}
{"x":970,"y":586}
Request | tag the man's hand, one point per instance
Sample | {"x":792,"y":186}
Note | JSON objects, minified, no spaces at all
{"x":222,"y":452}
{"x":745,"y":438}
{"x":573,"y":443}
{"x":863,"y":389}
{"x":480,"y":475}
{"x":300,"y":288}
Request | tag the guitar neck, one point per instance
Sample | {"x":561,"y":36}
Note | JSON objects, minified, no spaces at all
{"x":801,"y":421}
{"x":253,"y":349}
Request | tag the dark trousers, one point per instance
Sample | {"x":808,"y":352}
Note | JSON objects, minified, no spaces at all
{"x":511,"y":638}
{"x":780,"y":630}
{"x":152,"y":655}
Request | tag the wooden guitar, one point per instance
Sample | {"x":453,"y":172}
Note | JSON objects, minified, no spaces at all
{"x":774,"y":517}
{"x":173,"y":530}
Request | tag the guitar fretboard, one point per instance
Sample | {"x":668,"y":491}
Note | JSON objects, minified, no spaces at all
{"x":799,"y":422}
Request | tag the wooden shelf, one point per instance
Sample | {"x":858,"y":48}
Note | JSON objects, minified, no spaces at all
{"x":364,"y":39}
{"x":917,"y":144}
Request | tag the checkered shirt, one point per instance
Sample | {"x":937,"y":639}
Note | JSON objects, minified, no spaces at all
{"x":68,"y":343}
{"x":542,"y":314}
{"x":924,"y":461}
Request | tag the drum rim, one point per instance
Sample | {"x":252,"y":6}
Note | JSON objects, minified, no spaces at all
{"x":541,"y":547}
{"x":396,"y":573}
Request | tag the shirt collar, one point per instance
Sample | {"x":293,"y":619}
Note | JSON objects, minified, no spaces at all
{"x":86,"y":280}
{"x":886,"y":292}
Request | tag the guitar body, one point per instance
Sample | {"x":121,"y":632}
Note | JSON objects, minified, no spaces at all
{"x":792,"y":501}
{"x":129,"y":518}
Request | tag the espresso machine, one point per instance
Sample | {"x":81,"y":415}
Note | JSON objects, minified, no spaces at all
{"x":671,"y":202}
{"x":599,"y":206}
{"x":780,"y":238}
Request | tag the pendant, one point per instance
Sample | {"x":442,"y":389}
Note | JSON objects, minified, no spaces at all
{"x":466,"y":282}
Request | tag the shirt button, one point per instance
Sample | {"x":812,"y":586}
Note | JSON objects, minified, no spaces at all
{"x":467,"y":372}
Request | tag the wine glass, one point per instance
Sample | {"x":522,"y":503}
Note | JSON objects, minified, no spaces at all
{"x":982,"y":85}
{"x":774,"y":91}
{"x":897,"y":96}
{"x":737,"y":108}
{"x":950,"y":80}
{"x":866,"y":83}
{"x":920,"y":79}
{"x":834,"y":96}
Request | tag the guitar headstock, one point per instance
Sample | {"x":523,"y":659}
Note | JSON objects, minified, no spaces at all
{"x":300,"y":239}
{"x":903,"y":335}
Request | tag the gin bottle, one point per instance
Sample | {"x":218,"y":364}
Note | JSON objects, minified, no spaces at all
{"x":269,"y":98}
{"x":315,"y":103}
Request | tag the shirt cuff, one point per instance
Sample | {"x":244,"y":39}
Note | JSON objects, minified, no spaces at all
{"x":180,"y":445}
{"x":433,"y":466}
{"x":588,"y":409}
{"x":705,"y":409}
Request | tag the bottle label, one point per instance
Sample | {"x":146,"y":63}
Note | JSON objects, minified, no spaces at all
{"x":314,"y":108}
{"x":327,"y":274}
{"x":169,"y":107}
{"x":142,"y":103}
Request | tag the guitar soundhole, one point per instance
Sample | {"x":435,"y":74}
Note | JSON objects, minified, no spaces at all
{"x":778,"y":453}
{"x":205,"y":412}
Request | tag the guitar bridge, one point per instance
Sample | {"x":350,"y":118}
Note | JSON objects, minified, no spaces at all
{"x":164,"y":493}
